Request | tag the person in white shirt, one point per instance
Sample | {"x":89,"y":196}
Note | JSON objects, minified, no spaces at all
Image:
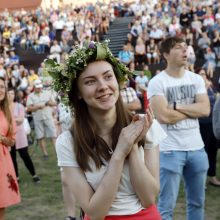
{"x":105,"y":154}
{"x":40,"y":103}
{"x":141,"y":83}
{"x":191,"y":58}
{"x":178,"y":98}
{"x":44,"y":42}
{"x":156,"y":33}
{"x":55,"y":51}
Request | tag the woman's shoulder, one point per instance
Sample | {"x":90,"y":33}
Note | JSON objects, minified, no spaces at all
{"x":64,"y":150}
{"x":65,"y":138}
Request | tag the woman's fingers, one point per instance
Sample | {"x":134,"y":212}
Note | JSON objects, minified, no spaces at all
{"x":135,"y":118}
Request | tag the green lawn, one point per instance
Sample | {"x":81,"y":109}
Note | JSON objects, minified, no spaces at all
{"x":44,"y":201}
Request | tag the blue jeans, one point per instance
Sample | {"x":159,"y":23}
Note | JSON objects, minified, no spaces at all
{"x":193,"y":166}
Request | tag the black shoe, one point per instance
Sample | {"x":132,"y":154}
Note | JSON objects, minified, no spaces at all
{"x":36,"y":179}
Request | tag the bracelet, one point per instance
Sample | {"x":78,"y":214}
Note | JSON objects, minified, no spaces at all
{"x":174,"y":105}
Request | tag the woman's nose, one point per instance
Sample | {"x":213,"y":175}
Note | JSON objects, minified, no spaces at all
{"x":102,"y":84}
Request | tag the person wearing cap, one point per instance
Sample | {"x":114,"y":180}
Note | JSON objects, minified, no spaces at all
{"x":40,"y":104}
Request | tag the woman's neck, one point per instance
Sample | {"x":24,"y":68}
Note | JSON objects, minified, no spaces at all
{"x":104,"y":121}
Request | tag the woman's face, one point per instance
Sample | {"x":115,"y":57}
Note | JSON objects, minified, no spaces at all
{"x":11,"y":95}
{"x":2,"y":90}
{"x":98,"y":86}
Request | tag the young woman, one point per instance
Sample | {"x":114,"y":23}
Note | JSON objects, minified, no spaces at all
{"x":9,"y":191}
{"x":21,"y":141}
{"x":108,"y":163}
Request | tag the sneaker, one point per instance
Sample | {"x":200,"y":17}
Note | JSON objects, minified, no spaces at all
{"x":36,"y":179}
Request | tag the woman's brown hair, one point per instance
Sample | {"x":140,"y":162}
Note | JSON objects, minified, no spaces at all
{"x":4,"y":106}
{"x":87,"y":144}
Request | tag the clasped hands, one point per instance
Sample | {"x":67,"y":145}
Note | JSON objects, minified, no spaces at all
{"x":146,"y":121}
{"x":134,"y":132}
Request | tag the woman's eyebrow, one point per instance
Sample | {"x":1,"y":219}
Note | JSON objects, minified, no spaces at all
{"x":107,"y":71}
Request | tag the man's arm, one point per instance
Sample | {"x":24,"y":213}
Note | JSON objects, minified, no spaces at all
{"x":201,"y":108}
{"x":134,"y":105}
{"x":51,"y":103}
{"x":34,"y":108}
{"x":163,"y":113}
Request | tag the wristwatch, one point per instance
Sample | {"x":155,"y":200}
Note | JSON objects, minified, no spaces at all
{"x":174,"y":105}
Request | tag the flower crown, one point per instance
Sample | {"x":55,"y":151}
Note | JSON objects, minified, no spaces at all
{"x":63,"y":74}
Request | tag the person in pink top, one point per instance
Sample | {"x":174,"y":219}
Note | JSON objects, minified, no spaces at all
{"x":9,"y":191}
{"x":21,"y":142}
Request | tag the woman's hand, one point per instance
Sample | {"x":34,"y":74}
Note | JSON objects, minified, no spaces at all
{"x":128,"y":137}
{"x":6,"y":141}
{"x":19,"y":121}
{"x":147,"y":120}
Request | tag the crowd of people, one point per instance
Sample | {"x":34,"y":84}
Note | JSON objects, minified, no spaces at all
{"x":197,"y":22}
{"x":182,"y":98}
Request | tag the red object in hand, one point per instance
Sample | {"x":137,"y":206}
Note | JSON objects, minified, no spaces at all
{"x":146,"y":101}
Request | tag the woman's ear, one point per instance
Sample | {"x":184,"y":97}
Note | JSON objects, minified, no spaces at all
{"x":165,"y":55}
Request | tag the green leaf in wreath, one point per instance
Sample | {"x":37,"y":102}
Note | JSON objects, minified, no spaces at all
{"x":101,"y":52}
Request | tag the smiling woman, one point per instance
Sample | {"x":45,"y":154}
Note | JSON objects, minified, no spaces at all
{"x":106,"y":154}
{"x":101,"y":90}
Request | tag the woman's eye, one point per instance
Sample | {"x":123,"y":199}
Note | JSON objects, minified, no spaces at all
{"x":107,"y":77}
{"x":90,"y":82}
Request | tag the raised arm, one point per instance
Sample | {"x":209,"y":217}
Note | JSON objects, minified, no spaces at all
{"x":144,"y":169}
{"x":144,"y":174}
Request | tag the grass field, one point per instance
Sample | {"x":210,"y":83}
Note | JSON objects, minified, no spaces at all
{"x":44,"y":201}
